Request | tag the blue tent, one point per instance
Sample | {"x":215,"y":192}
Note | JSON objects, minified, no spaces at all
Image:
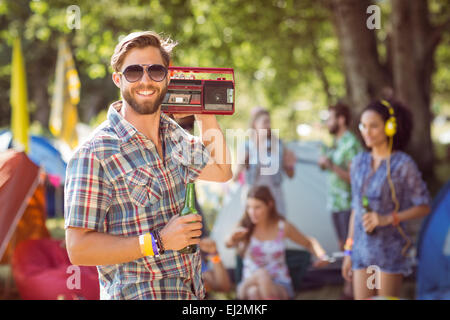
{"x":42,"y":153}
{"x":433,"y":272}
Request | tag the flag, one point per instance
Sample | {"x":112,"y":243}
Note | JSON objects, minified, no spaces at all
{"x":66,"y":95}
{"x":19,"y":99}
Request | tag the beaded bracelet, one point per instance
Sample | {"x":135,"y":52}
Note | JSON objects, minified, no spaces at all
{"x":159,"y":242}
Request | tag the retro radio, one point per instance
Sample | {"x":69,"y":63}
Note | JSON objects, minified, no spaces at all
{"x":200,"y":90}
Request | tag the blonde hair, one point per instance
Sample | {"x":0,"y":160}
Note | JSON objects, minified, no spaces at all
{"x":142,"y":39}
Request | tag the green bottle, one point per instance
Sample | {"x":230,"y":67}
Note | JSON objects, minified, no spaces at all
{"x":365,"y":202}
{"x":366,"y":206}
{"x":189,"y":208}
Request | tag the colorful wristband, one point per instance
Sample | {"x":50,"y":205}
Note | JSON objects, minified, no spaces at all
{"x":215,"y":258}
{"x":155,"y":246}
{"x":347,"y":252}
{"x":145,"y":242}
{"x":348,"y":244}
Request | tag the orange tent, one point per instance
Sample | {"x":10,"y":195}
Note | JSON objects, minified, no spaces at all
{"x":22,"y":199}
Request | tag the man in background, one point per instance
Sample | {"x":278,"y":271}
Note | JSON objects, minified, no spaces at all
{"x":337,"y":161}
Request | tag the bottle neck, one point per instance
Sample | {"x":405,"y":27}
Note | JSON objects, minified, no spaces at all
{"x":190,"y":196}
{"x":365,"y":202}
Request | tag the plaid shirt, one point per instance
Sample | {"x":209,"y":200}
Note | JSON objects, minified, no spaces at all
{"x":117,"y":184}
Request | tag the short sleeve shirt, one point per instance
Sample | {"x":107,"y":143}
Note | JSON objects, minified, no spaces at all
{"x":384,"y":246}
{"x":116,"y":183}
{"x":339,"y":191}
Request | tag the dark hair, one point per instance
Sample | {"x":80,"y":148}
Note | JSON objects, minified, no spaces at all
{"x":256,"y":114}
{"x":403,"y":118}
{"x":261,"y":193}
{"x":341,"y":110}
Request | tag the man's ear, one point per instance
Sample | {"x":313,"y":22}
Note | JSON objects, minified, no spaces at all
{"x":116,"y":79}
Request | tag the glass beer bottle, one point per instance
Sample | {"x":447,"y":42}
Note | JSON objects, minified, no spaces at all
{"x":189,"y":208}
{"x":366,"y":206}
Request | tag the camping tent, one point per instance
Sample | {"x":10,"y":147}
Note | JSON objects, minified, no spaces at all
{"x":42,"y":153}
{"x":39,"y":264}
{"x":433,"y":273}
{"x":305,"y":196}
{"x":22,"y":195}
{"x":45,"y":155}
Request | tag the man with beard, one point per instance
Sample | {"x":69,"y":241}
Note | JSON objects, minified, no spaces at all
{"x":125,"y":186}
{"x":337,"y":161}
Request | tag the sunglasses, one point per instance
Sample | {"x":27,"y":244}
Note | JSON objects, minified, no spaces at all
{"x":134,"y":72}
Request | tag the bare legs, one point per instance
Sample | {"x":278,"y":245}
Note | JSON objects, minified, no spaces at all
{"x":260,"y":286}
{"x":389,"y":284}
{"x":360,"y":288}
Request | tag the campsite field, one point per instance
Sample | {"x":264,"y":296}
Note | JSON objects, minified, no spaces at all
{"x":325,"y":292}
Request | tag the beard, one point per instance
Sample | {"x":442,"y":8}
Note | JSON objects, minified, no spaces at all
{"x":148,"y":107}
{"x":333,"y":129}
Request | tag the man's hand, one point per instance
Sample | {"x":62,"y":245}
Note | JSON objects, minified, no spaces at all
{"x":181,"y":115}
{"x":181,"y":232}
{"x":324,"y":163}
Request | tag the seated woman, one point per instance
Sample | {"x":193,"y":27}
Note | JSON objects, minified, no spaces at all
{"x":259,"y":238}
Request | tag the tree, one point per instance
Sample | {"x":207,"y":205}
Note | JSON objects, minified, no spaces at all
{"x":410,"y":44}
{"x":284,"y":52}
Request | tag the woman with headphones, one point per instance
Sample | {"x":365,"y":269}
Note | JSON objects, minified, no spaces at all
{"x":377,"y":246}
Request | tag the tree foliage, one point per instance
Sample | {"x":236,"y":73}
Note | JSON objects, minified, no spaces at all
{"x":285,"y":52}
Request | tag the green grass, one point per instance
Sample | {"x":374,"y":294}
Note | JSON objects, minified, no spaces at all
{"x":56,"y":227}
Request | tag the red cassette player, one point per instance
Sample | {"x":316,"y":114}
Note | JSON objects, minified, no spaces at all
{"x":200,"y":90}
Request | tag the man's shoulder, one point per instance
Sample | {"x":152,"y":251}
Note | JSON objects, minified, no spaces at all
{"x":102,"y":143}
{"x":350,"y":137}
{"x":349,"y":142}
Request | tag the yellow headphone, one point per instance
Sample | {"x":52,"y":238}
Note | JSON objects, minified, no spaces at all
{"x":390,"y":127}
